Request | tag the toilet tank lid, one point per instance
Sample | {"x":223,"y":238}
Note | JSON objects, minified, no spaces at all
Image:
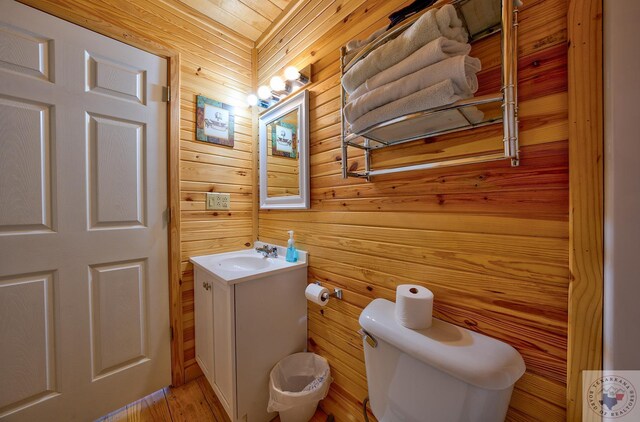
{"x":464,"y":354}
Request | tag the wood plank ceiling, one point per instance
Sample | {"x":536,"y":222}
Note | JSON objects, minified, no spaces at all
{"x":250,"y":18}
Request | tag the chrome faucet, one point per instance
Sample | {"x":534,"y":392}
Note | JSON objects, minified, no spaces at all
{"x":268,"y":251}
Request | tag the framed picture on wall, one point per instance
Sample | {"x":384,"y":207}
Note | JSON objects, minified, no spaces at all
{"x":284,"y":139}
{"x":214,"y":121}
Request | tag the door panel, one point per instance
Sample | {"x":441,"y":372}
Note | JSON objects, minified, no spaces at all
{"x":24,"y":52}
{"x":25,"y":166}
{"x":27,"y":363}
{"x":84,"y":324}
{"x":118,"y":316}
{"x":116,"y":171}
{"x":115,"y":79}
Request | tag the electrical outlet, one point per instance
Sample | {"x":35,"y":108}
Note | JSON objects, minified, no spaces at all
{"x":218,"y":201}
{"x":223,"y":201}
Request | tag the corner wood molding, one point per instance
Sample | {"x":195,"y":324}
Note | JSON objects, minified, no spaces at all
{"x":175,"y":282}
{"x":586,"y":197}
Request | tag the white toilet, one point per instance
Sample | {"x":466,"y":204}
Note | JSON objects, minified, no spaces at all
{"x":445,"y":373}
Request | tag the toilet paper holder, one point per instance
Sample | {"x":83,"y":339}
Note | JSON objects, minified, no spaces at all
{"x":337,"y":293}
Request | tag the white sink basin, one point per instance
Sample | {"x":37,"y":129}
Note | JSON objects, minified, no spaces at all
{"x":247,"y":264}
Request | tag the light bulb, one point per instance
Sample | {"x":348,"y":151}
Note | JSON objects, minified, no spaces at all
{"x":277,"y":84}
{"x":252,"y":100}
{"x":291,"y":73}
{"x":264,"y":92}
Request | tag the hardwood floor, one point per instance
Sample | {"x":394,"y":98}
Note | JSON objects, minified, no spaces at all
{"x":191,"y":402}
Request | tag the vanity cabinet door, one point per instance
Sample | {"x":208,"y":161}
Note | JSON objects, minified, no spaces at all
{"x":203,"y":289}
{"x":223,"y":342}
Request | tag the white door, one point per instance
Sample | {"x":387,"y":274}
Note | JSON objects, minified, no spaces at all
{"x":84,"y":325}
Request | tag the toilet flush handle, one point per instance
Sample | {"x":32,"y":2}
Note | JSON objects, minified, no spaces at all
{"x":368,"y":337}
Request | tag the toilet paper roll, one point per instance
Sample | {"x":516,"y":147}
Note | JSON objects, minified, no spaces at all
{"x":315,"y":293}
{"x":414,"y":305}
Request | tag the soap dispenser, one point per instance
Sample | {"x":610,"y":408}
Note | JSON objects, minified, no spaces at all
{"x":292,"y":252}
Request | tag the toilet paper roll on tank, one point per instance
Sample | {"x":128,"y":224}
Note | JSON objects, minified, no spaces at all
{"x":414,"y":306}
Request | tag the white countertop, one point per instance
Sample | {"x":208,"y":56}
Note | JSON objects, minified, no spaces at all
{"x":247,"y":264}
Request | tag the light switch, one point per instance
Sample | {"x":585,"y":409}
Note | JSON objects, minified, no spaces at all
{"x":218,"y":201}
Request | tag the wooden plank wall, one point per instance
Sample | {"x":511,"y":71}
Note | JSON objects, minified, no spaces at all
{"x":490,"y":240}
{"x":215,"y":62}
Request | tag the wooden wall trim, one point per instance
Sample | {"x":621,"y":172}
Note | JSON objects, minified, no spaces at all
{"x":255,"y":197}
{"x":586,"y":196}
{"x":175,"y":290}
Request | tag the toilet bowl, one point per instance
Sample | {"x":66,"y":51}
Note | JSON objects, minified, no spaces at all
{"x":444,"y":373}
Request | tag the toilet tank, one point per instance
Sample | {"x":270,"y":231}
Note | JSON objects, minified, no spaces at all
{"x":444,"y":373}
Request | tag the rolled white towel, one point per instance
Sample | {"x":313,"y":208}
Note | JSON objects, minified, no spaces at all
{"x":353,"y":47}
{"x":460,"y":70}
{"x":348,"y":56}
{"x":437,"y":95}
{"x":435,"y":51}
{"x":421,"y":32}
{"x":450,"y":24}
{"x":358,"y":44}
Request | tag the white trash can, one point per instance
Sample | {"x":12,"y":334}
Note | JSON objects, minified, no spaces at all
{"x":296,"y":384}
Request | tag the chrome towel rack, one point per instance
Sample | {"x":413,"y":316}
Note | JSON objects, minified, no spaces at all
{"x":504,"y":105}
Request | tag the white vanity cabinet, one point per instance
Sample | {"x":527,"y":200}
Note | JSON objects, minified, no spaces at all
{"x":214,"y":334}
{"x":203,"y":302}
{"x":243,"y":327}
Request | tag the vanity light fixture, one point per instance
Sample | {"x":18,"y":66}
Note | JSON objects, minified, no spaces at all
{"x":279,"y":88}
{"x":291,"y":73}
{"x":264,"y":93}
{"x":252,"y":100}
{"x":277,"y":84}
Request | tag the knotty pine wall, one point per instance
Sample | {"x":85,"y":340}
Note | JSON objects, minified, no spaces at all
{"x":491,"y":241}
{"x":215,"y":62}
